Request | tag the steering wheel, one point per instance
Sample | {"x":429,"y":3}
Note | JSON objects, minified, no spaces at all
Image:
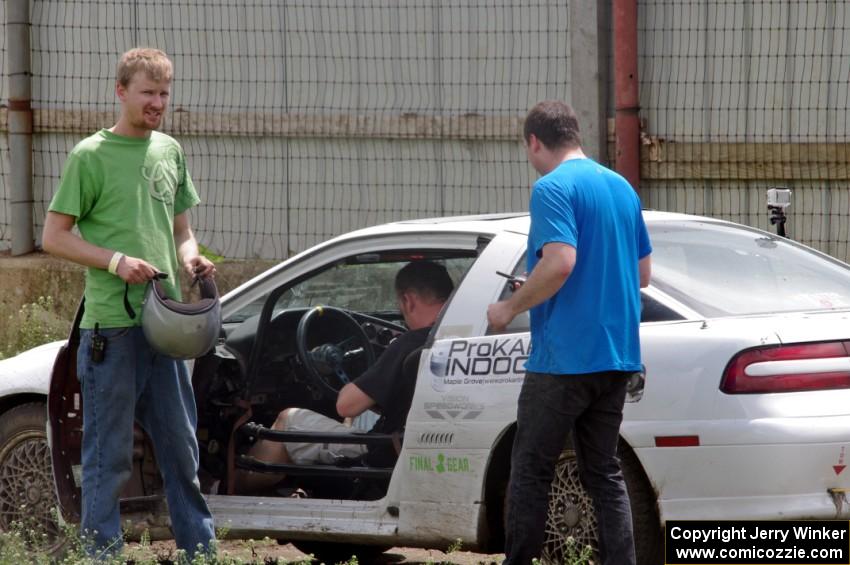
{"x":325,"y":364}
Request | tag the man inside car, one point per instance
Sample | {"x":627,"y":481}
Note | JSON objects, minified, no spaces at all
{"x":422,"y":288}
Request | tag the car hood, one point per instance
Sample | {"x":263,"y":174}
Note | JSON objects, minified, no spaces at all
{"x":29,"y":371}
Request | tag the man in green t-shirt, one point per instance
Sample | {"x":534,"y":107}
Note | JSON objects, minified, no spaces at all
{"x":128,"y":191}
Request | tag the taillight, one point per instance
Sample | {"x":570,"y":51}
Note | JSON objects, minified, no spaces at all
{"x":789,"y":368}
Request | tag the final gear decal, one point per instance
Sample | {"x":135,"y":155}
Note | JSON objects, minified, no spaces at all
{"x":440,"y":463}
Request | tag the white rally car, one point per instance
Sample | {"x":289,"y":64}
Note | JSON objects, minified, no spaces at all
{"x":745,"y":412}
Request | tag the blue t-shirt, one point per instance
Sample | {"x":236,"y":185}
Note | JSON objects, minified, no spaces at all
{"x":592,"y":323}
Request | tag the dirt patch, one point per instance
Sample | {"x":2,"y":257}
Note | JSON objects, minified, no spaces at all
{"x":267,"y":552}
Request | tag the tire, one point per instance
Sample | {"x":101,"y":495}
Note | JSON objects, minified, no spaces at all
{"x":27,"y":491}
{"x":571,"y":513}
{"x":333,"y":553}
{"x":649,"y":538}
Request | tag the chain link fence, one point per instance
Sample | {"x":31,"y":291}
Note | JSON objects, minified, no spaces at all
{"x":738,"y":97}
{"x":302,"y":120}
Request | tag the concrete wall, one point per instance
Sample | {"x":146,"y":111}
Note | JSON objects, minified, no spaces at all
{"x":244,"y":67}
{"x":745,"y":71}
{"x":711,"y":73}
{"x":761,"y":92}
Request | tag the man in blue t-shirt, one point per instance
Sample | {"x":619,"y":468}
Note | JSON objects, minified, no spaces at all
{"x":588,"y":257}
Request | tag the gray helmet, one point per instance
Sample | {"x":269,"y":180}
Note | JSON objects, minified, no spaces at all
{"x":177,"y":329}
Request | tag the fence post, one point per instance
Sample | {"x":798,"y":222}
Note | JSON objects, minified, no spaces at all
{"x":626,"y":93}
{"x":588,"y":58}
{"x":20,"y":124}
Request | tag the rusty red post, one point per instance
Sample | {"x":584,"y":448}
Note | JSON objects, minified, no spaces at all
{"x":626,"y":99}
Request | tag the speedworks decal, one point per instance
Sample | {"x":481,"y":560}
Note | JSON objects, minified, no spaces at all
{"x":478,"y":361}
{"x":453,"y":407}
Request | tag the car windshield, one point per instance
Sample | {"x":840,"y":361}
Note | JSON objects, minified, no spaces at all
{"x":364,"y":283}
{"x":363,"y":287}
{"x":724,"y":270}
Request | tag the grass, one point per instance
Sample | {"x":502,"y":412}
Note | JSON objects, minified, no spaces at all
{"x":20,"y":545}
{"x":16,"y":548}
{"x":32,"y":325}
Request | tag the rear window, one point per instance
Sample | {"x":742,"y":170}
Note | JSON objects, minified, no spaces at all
{"x":722,"y":270}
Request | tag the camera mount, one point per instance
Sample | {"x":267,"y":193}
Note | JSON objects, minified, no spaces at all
{"x":778,"y":199}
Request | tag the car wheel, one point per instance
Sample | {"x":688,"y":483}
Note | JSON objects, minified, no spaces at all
{"x":571,"y":523}
{"x":27,"y":493}
{"x":332,"y":553}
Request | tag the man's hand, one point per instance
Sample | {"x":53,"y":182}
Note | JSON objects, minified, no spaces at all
{"x":187,"y":249}
{"x":199,"y":266}
{"x":546,"y":279}
{"x":135,"y":271}
{"x":499,"y":315}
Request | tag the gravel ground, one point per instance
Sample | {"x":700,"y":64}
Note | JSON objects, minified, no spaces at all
{"x":267,"y":552}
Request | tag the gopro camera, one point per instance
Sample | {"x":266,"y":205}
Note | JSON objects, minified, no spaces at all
{"x":778,"y":198}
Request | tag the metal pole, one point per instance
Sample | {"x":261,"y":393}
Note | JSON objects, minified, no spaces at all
{"x":587,"y":82}
{"x":20,"y":124}
{"x":626,"y":99}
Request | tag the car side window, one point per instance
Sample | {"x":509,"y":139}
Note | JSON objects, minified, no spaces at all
{"x":251,"y":309}
{"x":522,"y":322}
{"x":651,"y":310}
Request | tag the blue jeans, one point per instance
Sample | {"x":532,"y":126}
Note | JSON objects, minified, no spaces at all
{"x":550,"y":406}
{"x":133,"y":382}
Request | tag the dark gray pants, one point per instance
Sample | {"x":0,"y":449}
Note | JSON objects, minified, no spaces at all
{"x":591,"y":405}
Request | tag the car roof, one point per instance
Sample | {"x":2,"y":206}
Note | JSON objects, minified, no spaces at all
{"x":517,"y":222}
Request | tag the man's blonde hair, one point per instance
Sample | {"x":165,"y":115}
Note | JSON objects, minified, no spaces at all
{"x":153,"y":62}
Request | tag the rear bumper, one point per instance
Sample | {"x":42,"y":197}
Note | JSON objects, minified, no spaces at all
{"x":811,"y":506}
{"x":751,"y":482}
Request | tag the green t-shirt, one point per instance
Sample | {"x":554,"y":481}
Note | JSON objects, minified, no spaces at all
{"x":124,"y":193}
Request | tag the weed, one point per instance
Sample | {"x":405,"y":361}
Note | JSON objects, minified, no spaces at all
{"x":18,"y":545}
{"x":573,"y":554}
{"x":32,"y":325}
{"x":210,"y":254}
{"x":456,"y":545}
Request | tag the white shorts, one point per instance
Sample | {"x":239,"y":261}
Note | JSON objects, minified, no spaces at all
{"x":303,"y":420}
